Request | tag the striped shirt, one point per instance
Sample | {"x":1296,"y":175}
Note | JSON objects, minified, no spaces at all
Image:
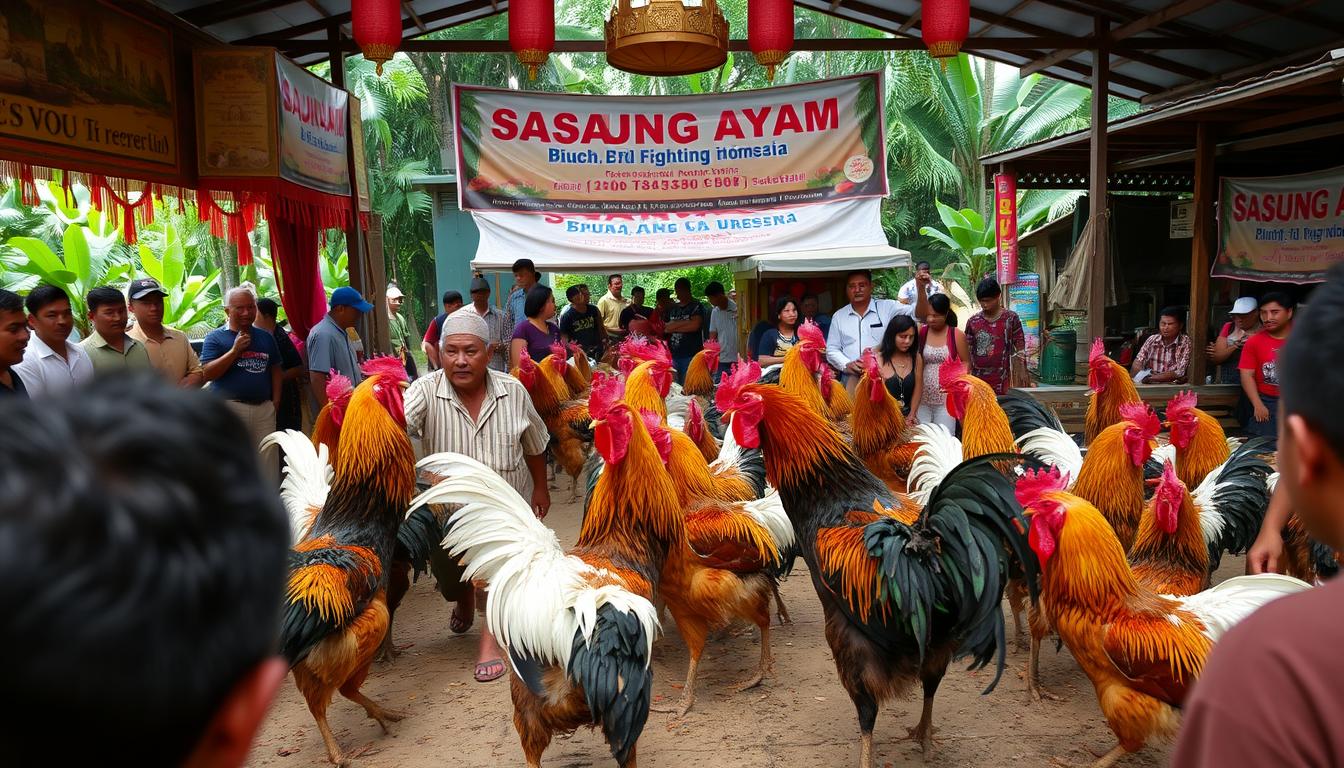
{"x":501,"y":333}
{"x":507,"y":429}
{"x":1158,"y":356}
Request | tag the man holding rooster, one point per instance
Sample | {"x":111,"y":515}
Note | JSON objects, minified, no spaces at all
{"x":468,"y":408}
{"x":1269,"y":694}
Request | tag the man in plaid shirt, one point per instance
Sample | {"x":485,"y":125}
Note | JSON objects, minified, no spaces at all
{"x":1165,"y":355}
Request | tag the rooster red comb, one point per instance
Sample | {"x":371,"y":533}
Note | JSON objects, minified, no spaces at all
{"x":644,"y":348}
{"x":385,"y":365}
{"x":949,"y":372}
{"x":810,"y":332}
{"x":871,"y":367}
{"x":1036,"y":483}
{"x":730,"y":386}
{"x":712,"y":349}
{"x":574,"y":348}
{"x":1182,"y":401}
{"x":1098,"y":352}
{"x":338,"y":387}
{"x":1169,"y":477}
{"x":1142,"y":415}
{"x":559,"y":350}
{"x":607,"y":391}
{"x":661,"y":436}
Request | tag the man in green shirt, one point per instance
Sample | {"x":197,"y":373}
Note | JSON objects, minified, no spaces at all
{"x":397,"y":330}
{"x":109,"y":347}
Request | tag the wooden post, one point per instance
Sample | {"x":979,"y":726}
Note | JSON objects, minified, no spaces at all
{"x":1096,"y":192}
{"x":1201,"y":250}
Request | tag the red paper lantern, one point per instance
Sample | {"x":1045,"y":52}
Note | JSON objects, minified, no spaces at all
{"x":532,"y":32}
{"x":770,"y":32}
{"x":944,"y":25}
{"x":377,"y":27}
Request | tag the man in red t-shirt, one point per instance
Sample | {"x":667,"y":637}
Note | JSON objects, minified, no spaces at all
{"x":1259,"y":362}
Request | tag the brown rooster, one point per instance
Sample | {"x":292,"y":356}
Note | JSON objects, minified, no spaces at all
{"x":700,"y":373}
{"x":1111,"y":388}
{"x":566,"y":420}
{"x":881,"y":435}
{"x":904,"y":590}
{"x":336,"y":612}
{"x":1141,"y":650}
{"x":1198,"y":443}
{"x":578,"y":625}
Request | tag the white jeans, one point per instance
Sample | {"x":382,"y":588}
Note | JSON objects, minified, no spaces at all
{"x":936,"y":414}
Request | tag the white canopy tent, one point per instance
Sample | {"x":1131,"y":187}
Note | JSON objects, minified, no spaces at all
{"x":823,"y":260}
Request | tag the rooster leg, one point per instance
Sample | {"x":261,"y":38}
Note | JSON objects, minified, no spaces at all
{"x":767,"y":661}
{"x":372,"y":708}
{"x":924,"y":730}
{"x":1109,"y":758}
{"x":1034,"y":673}
{"x":687,"y":699}
{"x":1016,"y":603}
{"x":333,"y":749}
{"x":867,"y":717}
{"x":781,"y":610}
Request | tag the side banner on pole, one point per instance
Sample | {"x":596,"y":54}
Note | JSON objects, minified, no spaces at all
{"x":1005,"y":227}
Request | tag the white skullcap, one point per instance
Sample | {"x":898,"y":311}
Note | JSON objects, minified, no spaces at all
{"x":393,"y":292}
{"x":466,"y":321}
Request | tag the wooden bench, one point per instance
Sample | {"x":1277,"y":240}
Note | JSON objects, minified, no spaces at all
{"x":1069,"y":402}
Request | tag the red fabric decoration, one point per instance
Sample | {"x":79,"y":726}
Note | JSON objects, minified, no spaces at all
{"x":377,"y":28}
{"x":294,"y":251}
{"x":532,"y":32}
{"x":770,"y":32}
{"x":944,"y":25}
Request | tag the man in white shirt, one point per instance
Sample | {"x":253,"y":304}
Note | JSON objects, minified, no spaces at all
{"x":907,"y":293}
{"x":722,"y":325}
{"x":860,"y":324}
{"x":52,"y":364}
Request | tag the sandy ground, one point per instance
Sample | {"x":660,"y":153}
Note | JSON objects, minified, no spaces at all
{"x":801,"y":716}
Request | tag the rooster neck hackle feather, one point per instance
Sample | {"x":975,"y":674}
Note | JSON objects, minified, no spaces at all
{"x":1175,"y":563}
{"x":699,"y":377}
{"x":1110,"y":481}
{"x":693,"y":478}
{"x":877,"y":424}
{"x":796,"y":379}
{"x":1103,"y":408}
{"x":641,"y":392}
{"x":635,"y":500}
{"x":985,"y":427}
{"x":1206,"y":451}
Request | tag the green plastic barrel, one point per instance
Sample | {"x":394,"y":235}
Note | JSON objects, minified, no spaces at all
{"x":1057,"y":356}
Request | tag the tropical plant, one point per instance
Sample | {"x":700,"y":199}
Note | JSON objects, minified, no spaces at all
{"x":193,"y":299}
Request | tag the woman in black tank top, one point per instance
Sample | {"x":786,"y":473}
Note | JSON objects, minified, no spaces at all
{"x":900,"y":359}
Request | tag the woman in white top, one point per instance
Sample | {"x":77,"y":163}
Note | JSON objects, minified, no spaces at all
{"x":939,"y":342}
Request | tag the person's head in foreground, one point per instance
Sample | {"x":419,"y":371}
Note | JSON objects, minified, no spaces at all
{"x":142,"y":566}
{"x":1311,"y":423}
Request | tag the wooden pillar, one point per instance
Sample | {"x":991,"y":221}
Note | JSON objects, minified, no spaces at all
{"x":1096,"y":192}
{"x":1201,"y":250}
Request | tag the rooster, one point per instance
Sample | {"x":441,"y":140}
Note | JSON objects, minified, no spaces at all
{"x":1111,"y":388}
{"x":881,"y":435}
{"x":1141,"y":650}
{"x":336,"y":610}
{"x":567,"y":421}
{"x":904,"y":590}
{"x":578,"y":373}
{"x":698,"y":428}
{"x":1198,"y":443}
{"x":700,"y":373}
{"x":578,"y":626}
{"x":838,"y":402}
{"x":327,"y":423}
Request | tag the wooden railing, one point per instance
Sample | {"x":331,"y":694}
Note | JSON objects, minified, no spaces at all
{"x":1070,"y":402}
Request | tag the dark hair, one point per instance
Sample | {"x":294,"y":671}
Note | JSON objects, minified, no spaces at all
{"x":988,"y":289}
{"x":662,"y":293}
{"x":940,"y":304}
{"x":43,"y":295}
{"x":1280,"y":298}
{"x":537,"y":296}
{"x":637,"y":289}
{"x":781,"y":304}
{"x":682,"y":282}
{"x":142,"y":569}
{"x":1311,"y":362}
{"x":10,"y":301}
{"x":572,"y":291}
{"x":522,"y":264}
{"x":452,"y":297}
{"x":867,"y":274}
{"x":268,"y":308}
{"x":898,"y":325}
{"x":104,"y":296}
{"x":715,"y":288}
{"x":612,"y":276}
{"x":923,"y":265}
{"x":1175,"y":313}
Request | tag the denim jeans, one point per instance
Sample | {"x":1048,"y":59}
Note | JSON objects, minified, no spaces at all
{"x":1269,"y":428}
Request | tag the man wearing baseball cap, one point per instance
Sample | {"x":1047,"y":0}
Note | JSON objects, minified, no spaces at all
{"x":1225,"y":351}
{"x":169,"y":350}
{"x":329,"y":348}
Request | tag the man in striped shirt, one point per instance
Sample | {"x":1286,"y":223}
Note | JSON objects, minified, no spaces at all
{"x":468,"y":408}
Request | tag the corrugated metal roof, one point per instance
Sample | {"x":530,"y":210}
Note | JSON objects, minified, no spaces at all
{"x":1159,"y":49}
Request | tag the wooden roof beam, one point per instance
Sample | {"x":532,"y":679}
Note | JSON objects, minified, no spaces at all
{"x":1156,"y":19}
{"x":1011,"y":12}
{"x":305,"y":47}
{"x":409,"y":11}
{"x":1124,"y":14}
{"x":227,"y":10}
{"x":1293,"y":12}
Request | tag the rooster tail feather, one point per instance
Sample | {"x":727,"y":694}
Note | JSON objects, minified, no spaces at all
{"x":1054,"y":447}
{"x":1224,"y":606}
{"x":419,"y":535}
{"x":1232,"y":501}
{"x":1026,"y":414}
{"x":749,"y":463}
{"x":612,"y":667}
{"x":307,"y":478}
{"x":539,"y":597}
{"x":939,"y":452}
{"x":769,"y":512}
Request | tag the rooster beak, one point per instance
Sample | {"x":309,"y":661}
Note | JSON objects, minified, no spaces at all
{"x":594,"y":423}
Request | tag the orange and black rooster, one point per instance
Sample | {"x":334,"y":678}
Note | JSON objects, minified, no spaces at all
{"x":1111,"y":388}
{"x":578,"y":625}
{"x":1142,"y":650}
{"x":1198,"y":442}
{"x":566,"y":420}
{"x":336,"y":612}
{"x":904,"y":590}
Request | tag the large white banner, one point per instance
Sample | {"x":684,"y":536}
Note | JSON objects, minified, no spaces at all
{"x":596,"y":242}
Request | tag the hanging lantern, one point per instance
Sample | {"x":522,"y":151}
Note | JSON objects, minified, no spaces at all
{"x":532,"y":32}
{"x":666,"y":37}
{"x":377,"y":27}
{"x":770,"y":32}
{"x":944,"y":25}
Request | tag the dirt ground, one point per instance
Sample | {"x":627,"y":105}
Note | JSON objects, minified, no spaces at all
{"x":801,"y":716}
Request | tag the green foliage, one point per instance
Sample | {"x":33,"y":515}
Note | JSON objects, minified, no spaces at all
{"x":649,"y":281}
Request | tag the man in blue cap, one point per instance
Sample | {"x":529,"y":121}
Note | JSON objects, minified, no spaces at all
{"x":329,"y":348}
